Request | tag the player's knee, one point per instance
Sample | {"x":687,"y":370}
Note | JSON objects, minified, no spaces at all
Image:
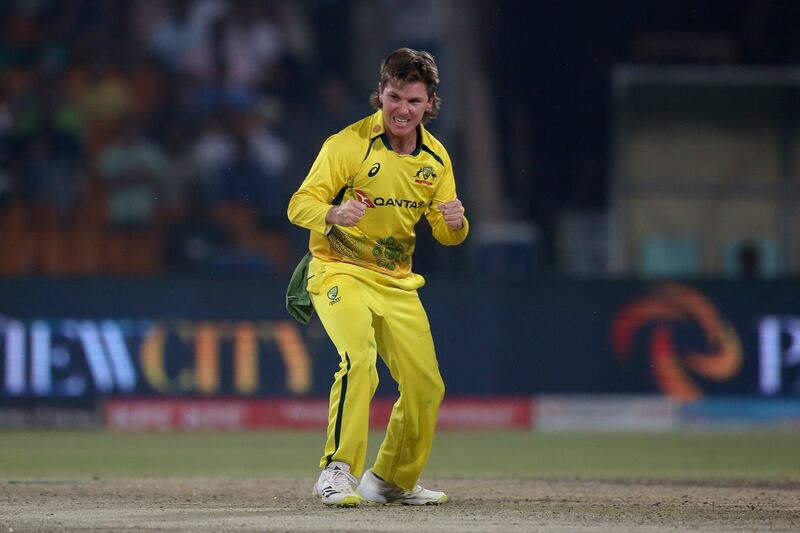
{"x":431,"y":391}
{"x":360,"y":363}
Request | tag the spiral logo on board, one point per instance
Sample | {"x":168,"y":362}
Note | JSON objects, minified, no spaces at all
{"x":676,"y":370}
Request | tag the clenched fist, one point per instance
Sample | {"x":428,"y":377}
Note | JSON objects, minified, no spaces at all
{"x":346,"y":214}
{"x":453,"y":213}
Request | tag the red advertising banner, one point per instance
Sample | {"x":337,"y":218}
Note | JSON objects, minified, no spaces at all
{"x":469,"y":412}
{"x":170,"y":414}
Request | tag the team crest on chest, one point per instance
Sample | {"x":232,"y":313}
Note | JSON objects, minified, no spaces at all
{"x":425,"y":176}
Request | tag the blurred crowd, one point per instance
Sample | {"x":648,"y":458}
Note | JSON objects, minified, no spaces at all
{"x":153,"y":136}
{"x":147,"y":136}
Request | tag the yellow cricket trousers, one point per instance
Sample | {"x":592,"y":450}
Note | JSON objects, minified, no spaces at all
{"x":366,"y":314}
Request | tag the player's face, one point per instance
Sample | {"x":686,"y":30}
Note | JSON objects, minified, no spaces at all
{"x":404,"y":106}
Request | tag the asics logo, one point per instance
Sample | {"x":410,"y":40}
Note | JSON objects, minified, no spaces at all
{"x":374,"y":170}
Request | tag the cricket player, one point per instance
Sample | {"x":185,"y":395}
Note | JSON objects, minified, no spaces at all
{"x":366,"y":191}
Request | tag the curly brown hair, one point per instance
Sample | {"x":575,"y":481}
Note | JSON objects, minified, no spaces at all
{"x":405,"y":65}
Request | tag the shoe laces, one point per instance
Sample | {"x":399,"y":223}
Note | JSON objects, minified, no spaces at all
{"x":341,"y":480}
{"x":397,"y":492}
{"x":413,"y":492}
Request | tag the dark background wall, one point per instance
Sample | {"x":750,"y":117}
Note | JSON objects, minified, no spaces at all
{"x":507,"y":339}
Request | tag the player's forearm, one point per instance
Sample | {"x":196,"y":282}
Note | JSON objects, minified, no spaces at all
{"x":307,"y":211}
{"x":447,"y":236}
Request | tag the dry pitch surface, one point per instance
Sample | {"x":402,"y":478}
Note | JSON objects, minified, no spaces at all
{"x":477,"y":504}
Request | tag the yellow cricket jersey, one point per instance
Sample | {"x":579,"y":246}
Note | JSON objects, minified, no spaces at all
{"x":359,"y":163}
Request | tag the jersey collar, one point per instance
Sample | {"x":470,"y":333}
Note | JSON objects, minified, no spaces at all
{"x":376,"y":128}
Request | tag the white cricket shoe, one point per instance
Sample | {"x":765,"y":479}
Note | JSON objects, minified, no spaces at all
{"x":374,"y":489}
{"x":337,"y":486}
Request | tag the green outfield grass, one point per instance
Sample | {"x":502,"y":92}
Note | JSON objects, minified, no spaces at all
{"x":661,"y":455}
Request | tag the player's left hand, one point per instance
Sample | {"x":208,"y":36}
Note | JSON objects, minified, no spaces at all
{"x":453,"y":213}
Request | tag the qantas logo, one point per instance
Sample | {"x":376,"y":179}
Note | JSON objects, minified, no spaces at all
{"x":400,"y":202}
{"x":379,"y":201}
{"x":362,"y":197}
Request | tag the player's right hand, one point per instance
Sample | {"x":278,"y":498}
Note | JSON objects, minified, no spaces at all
{"x":346,"y":214}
